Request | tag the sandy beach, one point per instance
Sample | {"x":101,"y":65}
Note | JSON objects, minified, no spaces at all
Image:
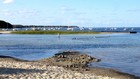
{"x":24,"y":70}
{"x":51,"y":68}
{"x":5,"y":32}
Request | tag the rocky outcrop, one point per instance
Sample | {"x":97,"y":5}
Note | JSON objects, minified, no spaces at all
{"x":71,"y":59}
{"x":4,"y":24}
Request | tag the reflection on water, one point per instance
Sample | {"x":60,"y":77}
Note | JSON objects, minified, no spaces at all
{"x":119,"y":51}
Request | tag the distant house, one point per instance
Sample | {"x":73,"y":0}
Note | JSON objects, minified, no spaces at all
{"x":4,"y":24}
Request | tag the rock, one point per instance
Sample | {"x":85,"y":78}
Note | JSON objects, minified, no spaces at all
{"x":73,"y":59}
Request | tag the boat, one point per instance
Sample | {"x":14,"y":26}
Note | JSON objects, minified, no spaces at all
{"x":133,"y":32}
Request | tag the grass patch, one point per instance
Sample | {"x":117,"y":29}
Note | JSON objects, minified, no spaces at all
{"x":54,"y":32}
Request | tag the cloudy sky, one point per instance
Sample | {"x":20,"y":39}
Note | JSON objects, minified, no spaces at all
{"x":84,"y":13}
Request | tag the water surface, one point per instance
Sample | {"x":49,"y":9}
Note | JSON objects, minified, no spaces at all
{"x":119,"y":51}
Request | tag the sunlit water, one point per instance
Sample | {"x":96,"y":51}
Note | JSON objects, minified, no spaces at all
{"x":118,"y":51}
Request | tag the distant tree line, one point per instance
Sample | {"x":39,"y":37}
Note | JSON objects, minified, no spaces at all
{"x":43,"y":26}
{"x":4,"y":24}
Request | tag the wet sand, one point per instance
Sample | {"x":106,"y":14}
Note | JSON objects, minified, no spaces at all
{"x":66,"y":65}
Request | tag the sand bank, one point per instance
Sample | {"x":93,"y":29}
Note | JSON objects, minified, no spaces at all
{"x":5,"y":32}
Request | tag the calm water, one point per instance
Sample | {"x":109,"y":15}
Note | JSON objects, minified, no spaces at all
{"x":119,"y":51}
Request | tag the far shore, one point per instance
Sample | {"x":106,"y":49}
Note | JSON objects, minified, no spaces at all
{"x":58,"y":32}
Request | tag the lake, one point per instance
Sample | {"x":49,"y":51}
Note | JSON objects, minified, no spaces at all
{"x":118,"y":51}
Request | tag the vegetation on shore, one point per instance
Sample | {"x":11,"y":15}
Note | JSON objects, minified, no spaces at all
{"x":4,"y":24}
{"x":54,"y":32}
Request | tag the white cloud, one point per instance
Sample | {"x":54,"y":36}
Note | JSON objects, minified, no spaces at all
{"x":7,"y":1}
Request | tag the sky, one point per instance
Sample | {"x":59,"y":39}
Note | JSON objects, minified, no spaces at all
{"x":82,"y":13}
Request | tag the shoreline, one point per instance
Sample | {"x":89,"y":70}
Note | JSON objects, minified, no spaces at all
{"x":5,"y":32}
{"x":63,"y":32}
{"x":60,"y":66}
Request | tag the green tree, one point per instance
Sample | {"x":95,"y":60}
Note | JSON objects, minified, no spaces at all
{"x":4,"y":24}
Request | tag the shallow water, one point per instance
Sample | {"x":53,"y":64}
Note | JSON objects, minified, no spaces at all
{"x":119,"y":51}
